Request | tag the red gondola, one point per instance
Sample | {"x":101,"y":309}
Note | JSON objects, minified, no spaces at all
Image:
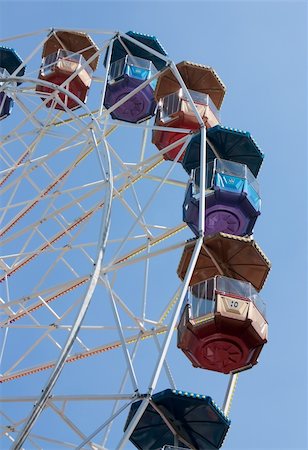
{"x":174,"y":109}
{"x":223,"y":326}
{"x":68,"y":61}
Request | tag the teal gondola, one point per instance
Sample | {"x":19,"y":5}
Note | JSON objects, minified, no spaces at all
{"x":194,"y":419}
{"x":229,"y":143}
{"x":10,"y":61}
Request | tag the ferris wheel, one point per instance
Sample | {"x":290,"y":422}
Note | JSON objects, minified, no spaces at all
{"x":127,"y":213}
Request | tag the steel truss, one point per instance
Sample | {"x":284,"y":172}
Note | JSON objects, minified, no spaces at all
{"x":91,"y":232}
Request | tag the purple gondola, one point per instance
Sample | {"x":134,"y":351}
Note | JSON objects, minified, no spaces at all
{"x":232,"y":202}
{"x":6,"y":105}
{"x":141,"y":105}
{"x":130,"y":67}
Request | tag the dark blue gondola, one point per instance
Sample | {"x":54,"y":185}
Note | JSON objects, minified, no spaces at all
{"x":195,"y":420}
{"x":119,"y":51}
{"x":230,"y":144}
{"x":9,"y":63}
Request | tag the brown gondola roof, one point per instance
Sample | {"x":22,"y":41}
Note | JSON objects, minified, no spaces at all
{"x":237,"y":257}
{"x":196,"y":77}
{"x":74,"y":41}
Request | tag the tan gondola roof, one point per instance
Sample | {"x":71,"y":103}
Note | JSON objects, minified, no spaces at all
{"x":196,"y":77}
{"x":225,"y":254}
{"x":73,"y":41}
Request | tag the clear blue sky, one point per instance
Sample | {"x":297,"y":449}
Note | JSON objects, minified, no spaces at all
{"x":259,"y":49}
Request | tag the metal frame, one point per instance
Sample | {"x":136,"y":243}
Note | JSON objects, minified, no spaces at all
{"x":93,"y":131}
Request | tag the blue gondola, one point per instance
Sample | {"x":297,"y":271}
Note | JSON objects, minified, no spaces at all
{"x":195,"y":420}
{"x":229,"y":143}
{"x":9,"y":63}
